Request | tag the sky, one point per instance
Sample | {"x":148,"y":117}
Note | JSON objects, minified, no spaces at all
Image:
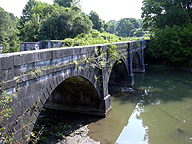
{"x":107,"y":9}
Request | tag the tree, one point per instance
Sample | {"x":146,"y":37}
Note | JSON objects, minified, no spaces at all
{"x":135,"y":22}
{"x":67,"y":3}
{"x":112,"y":26}
{"x":171,"y":23}
{"x":8,"y":31}
{"x":5,"y":24}
{"x":31,"y":29}
{"x":124,"y":27}
{"x":136,"y":32}
{"x":159,"y":13}
{"x":34,"y":14}
{"x":172,"y":45}
{"x":27,"y":13}
{"x":64,"y":23}
{"x":140,"y":23}
{"x":98,"y":24}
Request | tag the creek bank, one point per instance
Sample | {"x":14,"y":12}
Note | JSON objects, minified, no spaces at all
{"x":166,"y":66}
{"x":64,"y":127}
{"x":79,"y":137}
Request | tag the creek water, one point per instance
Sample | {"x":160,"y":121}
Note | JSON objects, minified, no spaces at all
{"x":159,"y":111}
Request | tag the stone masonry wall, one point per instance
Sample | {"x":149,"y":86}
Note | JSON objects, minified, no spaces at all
{"x":27,"y":46}
{"x":33,"y":75}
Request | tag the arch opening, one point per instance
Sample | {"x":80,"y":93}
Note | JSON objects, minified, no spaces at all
{"x":119,"y":74}
{"x":136,"y":63}
{"x":75,"y":94}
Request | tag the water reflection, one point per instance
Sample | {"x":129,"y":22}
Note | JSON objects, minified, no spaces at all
{"x":134,"y":132}
{"x":159,"y":111}
{"x":107,"y":130}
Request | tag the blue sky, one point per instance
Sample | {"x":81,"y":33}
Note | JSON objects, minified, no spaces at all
{"x":107,"y":9}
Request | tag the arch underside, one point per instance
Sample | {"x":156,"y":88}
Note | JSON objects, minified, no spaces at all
{"x":75,"y":94}
{"x":136,"y":63}
{"x":119,"y":74}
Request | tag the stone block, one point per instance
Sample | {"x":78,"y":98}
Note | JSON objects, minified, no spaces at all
{"x":42,"y":98}
{"x":8,"y":84}
{"x":16,"y":112}
{"x":76,"y":51}
{"x":84,"y":50}
{"x":62,"y":53}
{"x":21,"y":59}
{"x":6,"y":62}
{"x":40,"y":105}
{"x":2,"y":75}
{"x":45,"y":55}
{"x":41,"y":85}
{"x":60,"y":78}
{"x":46,"y":94}
{"x":26,"y":103}
{"x":0,"y":64}
{"x":8,"y":74}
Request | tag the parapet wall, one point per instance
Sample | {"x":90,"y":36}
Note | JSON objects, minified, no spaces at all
{"x":27,"y":46}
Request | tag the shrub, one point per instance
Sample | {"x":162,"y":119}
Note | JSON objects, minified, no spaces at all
{"x":172,"y":45}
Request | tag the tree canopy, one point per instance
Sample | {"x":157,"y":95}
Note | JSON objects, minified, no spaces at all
{"x":98,"y":23}
{"x":8,"y":30}
{"x":67,"y":3}
{"x":64,"y":23}
{"x":161,"y":13}
{"x":170,"y":21}
{"x":42,"y":21}
{"x":57,"y":21}
{"x":124,"y":26}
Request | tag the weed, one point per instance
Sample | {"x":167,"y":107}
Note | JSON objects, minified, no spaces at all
{"x":75,"y":62}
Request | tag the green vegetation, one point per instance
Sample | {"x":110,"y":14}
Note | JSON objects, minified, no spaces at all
{"x":98,"y":23}
{"x":8,"y":31}
{"x":95,"y":37}
{"x":9,"y":130}
{"x":172,"y":45}
{"x":62,"y":20}
{"x":53,"y":126}
{"x":170,"y":21}
{"x":126,"y":27}
{"x":5,"y":114}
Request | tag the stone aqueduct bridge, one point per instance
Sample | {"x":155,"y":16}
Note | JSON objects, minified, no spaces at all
{"x":66,"y":79}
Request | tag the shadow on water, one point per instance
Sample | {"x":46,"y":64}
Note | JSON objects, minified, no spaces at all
{"x":107,"y":130}
{"x":164,"y":86}
{"x":155,"y":112}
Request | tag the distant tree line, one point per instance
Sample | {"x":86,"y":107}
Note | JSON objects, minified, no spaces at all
{"x":57,"y":21}
{"x":126,"y":27}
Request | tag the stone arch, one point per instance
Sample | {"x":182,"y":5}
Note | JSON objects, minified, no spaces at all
{"x":119,"y":73}
{"x":48,"y":84}
{"x":136,"y":62}
{"x":76,"y":94}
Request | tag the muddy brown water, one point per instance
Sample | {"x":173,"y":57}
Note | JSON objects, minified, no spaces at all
{"x":158,"y":112}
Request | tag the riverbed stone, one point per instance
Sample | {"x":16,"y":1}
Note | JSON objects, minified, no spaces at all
{"x":79,"y":137}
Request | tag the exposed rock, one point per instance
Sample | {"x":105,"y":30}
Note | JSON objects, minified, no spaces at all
{"x":79,"y":137}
